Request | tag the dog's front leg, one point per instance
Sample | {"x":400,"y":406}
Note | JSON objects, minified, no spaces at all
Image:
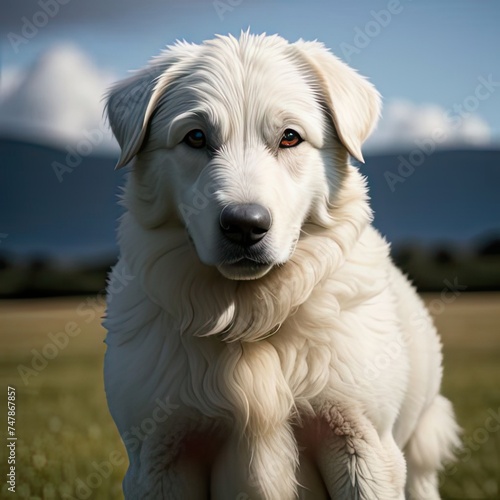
{"x":172,"y":463}
{"x":355,"y":462}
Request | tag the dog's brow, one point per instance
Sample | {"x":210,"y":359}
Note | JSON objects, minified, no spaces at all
{"x":184,"y":116}
{"x":198,"y":118}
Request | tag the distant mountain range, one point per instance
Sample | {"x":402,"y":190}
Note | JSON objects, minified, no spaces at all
{"x":70,"y":215}
{"x":49,"y":210}
{"x":452,"y":197}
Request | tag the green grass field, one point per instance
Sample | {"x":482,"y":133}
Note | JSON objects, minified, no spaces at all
{"x":67,"y":445}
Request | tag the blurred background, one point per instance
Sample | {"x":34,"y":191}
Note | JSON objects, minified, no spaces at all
{"x":433,"y":167}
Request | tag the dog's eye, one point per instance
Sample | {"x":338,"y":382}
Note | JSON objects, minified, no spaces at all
{"x":290,"y":138}
{"x":195,"y":139}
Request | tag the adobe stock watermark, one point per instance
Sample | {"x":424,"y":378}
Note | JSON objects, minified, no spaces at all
{"x":132,"y":440}
{"x":419,"y":322}
{"x":83,"y":148}
{"x":94,"y":480}
{"x":222,"y":7}
{"x":426,"y":146}
{"x":363,"y":36}
{"x":198,"y":203}
{"x":472,"y":442}
{"x":30,"y":27}
{"x":89,"y":310}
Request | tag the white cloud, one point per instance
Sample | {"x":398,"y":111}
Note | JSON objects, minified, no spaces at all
{"x":9,"y":81}
{"x":404,"y":124}
{"x":57,"y":100}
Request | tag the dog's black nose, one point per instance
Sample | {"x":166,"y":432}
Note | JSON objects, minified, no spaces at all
{"x":245,"y":224}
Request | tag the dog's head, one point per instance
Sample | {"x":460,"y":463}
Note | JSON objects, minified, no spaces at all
{"x":241,"y":141}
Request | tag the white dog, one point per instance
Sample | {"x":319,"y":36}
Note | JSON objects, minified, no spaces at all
{"x":263,"y":345}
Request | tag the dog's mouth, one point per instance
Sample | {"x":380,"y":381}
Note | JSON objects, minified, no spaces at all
{"x":244,"y":269}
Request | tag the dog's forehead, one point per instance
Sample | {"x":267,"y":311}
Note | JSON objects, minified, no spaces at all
{"x":249,"y":66}
{"x":252,"y":83}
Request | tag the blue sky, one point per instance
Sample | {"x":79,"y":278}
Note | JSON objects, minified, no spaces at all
{"x":428,"y":52}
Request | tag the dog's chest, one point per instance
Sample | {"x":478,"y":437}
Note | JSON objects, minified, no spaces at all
{"x":322,"y":351}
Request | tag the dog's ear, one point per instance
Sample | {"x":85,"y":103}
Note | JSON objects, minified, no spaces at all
{"x":352,"y":101}
{"x":131,"y":102}
{"x":126,"y":107}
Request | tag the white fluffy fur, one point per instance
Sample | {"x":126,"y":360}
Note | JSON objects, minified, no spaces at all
{"x":318,"y":379}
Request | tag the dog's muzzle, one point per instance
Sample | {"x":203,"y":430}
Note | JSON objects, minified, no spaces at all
{"x":244,"y":227}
